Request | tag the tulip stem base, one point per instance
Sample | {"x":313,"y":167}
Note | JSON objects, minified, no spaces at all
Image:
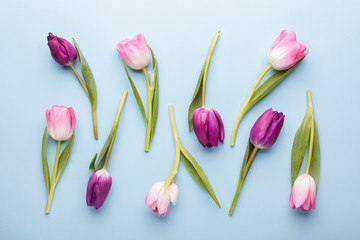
{"x":243,"y":109}
{"x":312,"y":131}
{"x":53,"y":179}
{"x":150,"y":111}
{"x":242,"y":179}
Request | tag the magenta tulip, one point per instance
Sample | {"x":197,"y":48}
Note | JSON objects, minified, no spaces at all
{"x":267,"y":129}
{"x":98,"y":188}
{"x":286,"y":51}
{"x":303,"y":193}
{"x":135,"y":53}
{"x":159,"y":200}
{"x":60,"y":122}
{"x":208,"y":127}
{"x":61,"y":50}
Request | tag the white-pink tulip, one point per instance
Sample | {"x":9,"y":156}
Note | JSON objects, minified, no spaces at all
{"x":303,"y":193}
{"x":286,"y":51}
{"x":60,"y":122}
{"x":159,"y":200}
{"x":135,"y":52}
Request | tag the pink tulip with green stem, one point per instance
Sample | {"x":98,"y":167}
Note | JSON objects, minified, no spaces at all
{"x":64,"y":53}
{"x":60,"y":122}
{"x":284,"y":56}
{"x":304,"y":188}
{"x":162,"y":193}
{"x":137,"y":54}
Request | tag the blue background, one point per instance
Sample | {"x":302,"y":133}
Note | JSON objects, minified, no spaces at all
{"x":180,"y":32}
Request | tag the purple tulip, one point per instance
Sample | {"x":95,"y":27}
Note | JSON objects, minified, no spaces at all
{"x":266,"y":129}
{"x":98,"y":188}
{"x":208,"y":127}
{"x":61,"y":50}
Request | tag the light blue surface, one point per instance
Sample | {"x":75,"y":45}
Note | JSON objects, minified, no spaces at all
{"x":180,"y":32}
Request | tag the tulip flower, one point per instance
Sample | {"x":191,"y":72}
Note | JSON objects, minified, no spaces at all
{"x":135,"y":53}
{"x":61,"y":50}
{"x":284,"y":55}
{"x":303,"y":193}
{"x":286,"y":51}
{"x":65,"y":54}
{"x":262,"y":136}
{"x":100,"y":181}
{"x":98,"y":188}
{"x":158,"y":199}
{"x":207,"y":123}
{"x":266,"y":129}
{"x":60,"y":122}
{"x":208,"y":127}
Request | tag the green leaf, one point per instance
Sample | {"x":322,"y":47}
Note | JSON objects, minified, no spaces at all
{"x":249,"y":149}
{"x":197,"y":98}
{"x":315,"y":159}
{"x":64,"y":157}
{"x":269,"y":85}
{"x":300,"y":144}
{"x":155,"y":101}
{"x":196,"y":171}
{"x":104,"y":150}
{"x":137,"y":95}
{"x":92,"y":163}
{"x":44,"y":162}
{"x":87,"y":75}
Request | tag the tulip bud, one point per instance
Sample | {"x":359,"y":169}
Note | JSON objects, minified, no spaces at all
{"x":208,"y":127}
{"x":266,"y":129}
{"x":135,"y":53}
{"x":303,"y":193}
{"x":60,"y":122}
{"x":98,"y":188}
{"x":286,"y":51}
{"x":159,"y":200}
{"x":61,"y":50}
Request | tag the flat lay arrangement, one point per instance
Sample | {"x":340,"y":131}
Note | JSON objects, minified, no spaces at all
{"x":284,"y":55}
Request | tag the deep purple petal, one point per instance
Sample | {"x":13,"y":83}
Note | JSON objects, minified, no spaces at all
{"x":221,"y":127}
{"x":260,"y":128}
{"x":213,"y":129}
{"x":89,"y":191}
{"x":200,"y":124}
{"x":273,"y":131}
{"x":102,"y":190}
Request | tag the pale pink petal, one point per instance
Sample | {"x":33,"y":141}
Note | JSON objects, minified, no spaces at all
{"x":152,"y":196}
{"x":301,"y":190}
{"x":174,"y":193}
{"x":279,"y":38}
{"x":163,"y":203}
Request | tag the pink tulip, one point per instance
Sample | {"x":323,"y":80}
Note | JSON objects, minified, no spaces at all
{"x":159,"y":200}
{"x":303,"y":193}
{"x":60,"y":122}
{"x":135,"y":53}
{"x":286,"y":51}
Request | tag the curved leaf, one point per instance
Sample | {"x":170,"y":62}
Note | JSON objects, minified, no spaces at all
{"x":92,"y":163}
{"x":136,"y":93}
{"x":269,"y":85}
{"x":44,"y":162}
{"x":196,"y":171}
{"x":64,"y":157}
{"x":300,"y":144}
{"x":155,"y":97}
{"x":315,"y":159}
{"x":87,"y":75}
{"x":196,"y":100}
{"x":249,"y":149}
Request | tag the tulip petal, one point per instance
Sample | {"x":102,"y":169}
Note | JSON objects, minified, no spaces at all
{"x":200,"y":123}
{"x":273,"y":131}
{"x":89,"y":191}
{"x":221,"y":127}
{"x":213,"y":129}
{"x":153,"y":194}
{"x":163,"y":203}
{"x":279,"y":38}
{"x":260,"y":128}
{"x":174,"y":193}
{"x":301,"y":190}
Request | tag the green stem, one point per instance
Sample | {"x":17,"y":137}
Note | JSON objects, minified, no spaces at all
{"x":116,"y":123}
{"x":243,"y":111}
{"x":53,"y":179}
{"x":94,"y":122}
{"x":173,"y":124}
{"x":149,"y":122}
{"x":242,"y":179}
{"x":80,"y":80}
{"x":311,"y":145}
{"x":207,"y":63}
